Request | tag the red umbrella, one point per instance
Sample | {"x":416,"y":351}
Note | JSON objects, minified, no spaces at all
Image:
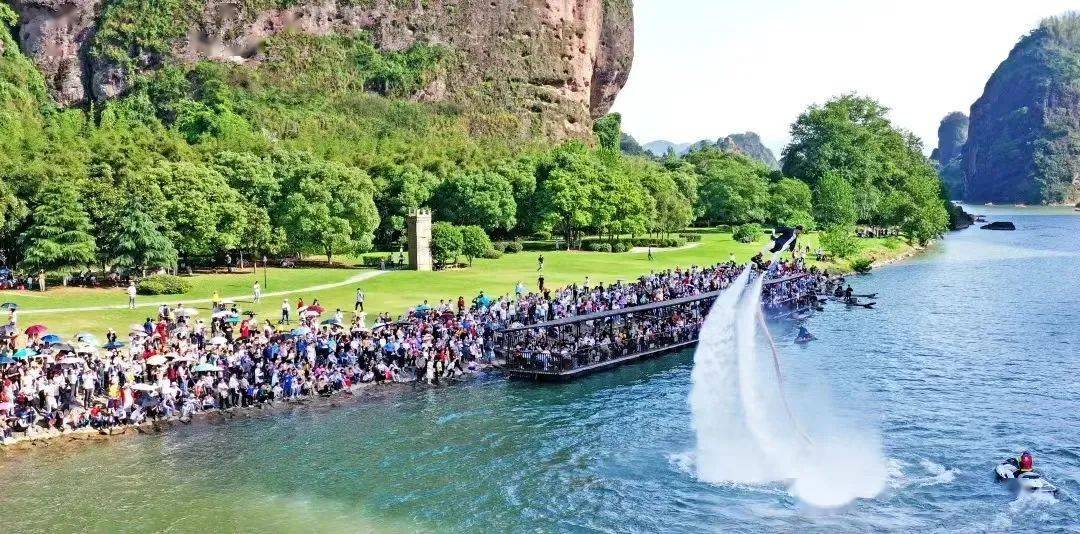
{"x":36,"y":330}
{"x":316,"y":308}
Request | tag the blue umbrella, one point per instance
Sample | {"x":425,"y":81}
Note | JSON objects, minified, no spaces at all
{"x":24,"y":353}
{"x":205,"y":368}
{"x":303,"y":330}
{"x":51,"y":338}
{"x":9,"y":306}
{"x":6,"y":360}
{"x":113,"y":345}
{"x":88,"y":338}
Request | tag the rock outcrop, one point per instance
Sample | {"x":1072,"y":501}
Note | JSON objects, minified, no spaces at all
{"x":749,"y":144}
{"x":557,"y":64}
{"x":1024,"y":135}
{"x":56,"y":35}
{"x":952,"y":136}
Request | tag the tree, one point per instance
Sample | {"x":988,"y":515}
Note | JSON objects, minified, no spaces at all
{"x":329,"y":210}
{"x":608,"y":130}
{"x":203,"y":215}
{"x":447,"y":243}
{"x":566,"y":189}
{"x":734,"y":189}
{"x":840,"y":241}
{"x":474,"y":242}
{"x":851,"y":138}
{"x":484,"y":199}
{"x":140,"y":244}
{"x":790,"y":204}
{"x":399,"y":189}
{"x":59,"y":234}
{"x":834,"y":202}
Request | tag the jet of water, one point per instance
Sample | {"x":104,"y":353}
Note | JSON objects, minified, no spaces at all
{"x":746,"y":432}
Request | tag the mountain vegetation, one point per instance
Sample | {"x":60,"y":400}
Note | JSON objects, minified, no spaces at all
{"x":1024,"y":138}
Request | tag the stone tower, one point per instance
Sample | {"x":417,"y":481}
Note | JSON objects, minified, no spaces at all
{"x":419,"y":234}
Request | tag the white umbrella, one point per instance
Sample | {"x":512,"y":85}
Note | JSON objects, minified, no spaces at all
{"x":85,"y":349}
{"x":72,"y":360}
{"x":156,"y":360}
{"x":187,"y":312}
{"x":218,"y":340}
{"x":220,"y":314}
{"x":143,"y":387}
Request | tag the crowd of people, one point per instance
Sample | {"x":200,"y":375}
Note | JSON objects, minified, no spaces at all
{"x":180,"y":364}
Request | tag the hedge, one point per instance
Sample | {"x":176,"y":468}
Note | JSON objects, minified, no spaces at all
{"x":597,"y":247}
{"x":163,"y":284}
{"x":659,"y":242}
{"x":535,"y":246}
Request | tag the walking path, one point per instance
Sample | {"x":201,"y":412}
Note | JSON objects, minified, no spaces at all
{"x":351,"y":280}
{"x":658,"y":250}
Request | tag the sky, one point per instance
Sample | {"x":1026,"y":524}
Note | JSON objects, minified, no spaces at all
{"x":704,"y":69}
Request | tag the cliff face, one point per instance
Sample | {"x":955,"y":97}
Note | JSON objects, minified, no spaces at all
{"x":556,"y":64}
{"x":1024,"y":135}
{"x":749,"y":144}
{"x":952,"y":136}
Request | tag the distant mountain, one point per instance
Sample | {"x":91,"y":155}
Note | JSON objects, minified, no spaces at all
{"x":1024,"y":134}
{"x":952,"y":135}
{"x":748,"y":144}
{"x":660,"y":148}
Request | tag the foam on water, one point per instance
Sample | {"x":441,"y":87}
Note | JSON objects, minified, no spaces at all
{"x":746,"y":432}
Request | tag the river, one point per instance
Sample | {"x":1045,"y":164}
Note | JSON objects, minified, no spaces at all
{"x":973,"y":353}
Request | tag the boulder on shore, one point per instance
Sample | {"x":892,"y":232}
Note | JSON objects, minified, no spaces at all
{"x":999,"y":225}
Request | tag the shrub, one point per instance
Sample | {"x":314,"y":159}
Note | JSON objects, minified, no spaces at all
{"x":514,"y":247}
{"x":598,"y":247}
{"x":724,"y":228}
{"x":862,"y":265}
{"x":542,"y":235}
{"x":619,"y":247}
{"x":493,"y":253}
{"x":163,"y":284}
{"x":446,"y":243}
{"x":840,"y":241}
{"x":691,"y":238}
{"x":537,"y":246}
{"x":747,"y":233}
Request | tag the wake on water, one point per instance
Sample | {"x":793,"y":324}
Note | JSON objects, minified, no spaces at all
{"x":746,"y":433}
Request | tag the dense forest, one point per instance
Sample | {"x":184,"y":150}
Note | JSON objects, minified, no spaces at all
{"x":317,"y":151}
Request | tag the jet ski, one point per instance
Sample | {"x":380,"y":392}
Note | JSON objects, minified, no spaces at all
{"x":804,"y":336}
{"x":1022,"y":482}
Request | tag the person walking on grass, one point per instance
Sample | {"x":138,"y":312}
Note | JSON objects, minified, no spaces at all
{"x":257,"y":292}
{"x":540,"y":263}
{"x":359,"y":303}
{"x":131,"y":292}
{"x":284,"y":312}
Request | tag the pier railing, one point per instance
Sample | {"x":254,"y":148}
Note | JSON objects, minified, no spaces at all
{"x":579,"y":344}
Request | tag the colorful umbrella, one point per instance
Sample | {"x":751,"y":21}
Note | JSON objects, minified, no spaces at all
{"x":331,"y":321}
{"x":63,"y":347}
{"x":6,"y":360}
{"x":36,"y":330}
{"x":9,"y":306}
{"x":234,"y":319}
{"x":51,"y":339}
{"x":302,"y":331}
{"x":87,"y":337}
{"x":205,"y":368}
{"x":24,"y":353}
{"x":113,"y":345}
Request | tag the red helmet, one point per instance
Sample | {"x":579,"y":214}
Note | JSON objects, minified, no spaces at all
{"x":1027,"y":463}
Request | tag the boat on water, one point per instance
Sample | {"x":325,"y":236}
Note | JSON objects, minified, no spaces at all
{"x":1020,"y":481}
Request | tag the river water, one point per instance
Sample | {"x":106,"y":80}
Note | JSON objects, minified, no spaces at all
{"x":972,"y":354}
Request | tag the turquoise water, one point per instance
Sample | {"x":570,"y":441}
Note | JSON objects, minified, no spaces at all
{"x":972,"y":354}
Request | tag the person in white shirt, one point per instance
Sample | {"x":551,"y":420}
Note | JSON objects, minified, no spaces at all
{"x":257,"y":291}
{"x":131,"y":291}
{"x":359,"y":300}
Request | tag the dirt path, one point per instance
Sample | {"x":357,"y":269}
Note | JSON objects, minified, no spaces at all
{"x":359,"y":277}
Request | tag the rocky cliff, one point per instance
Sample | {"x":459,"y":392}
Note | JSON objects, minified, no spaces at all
{"x":749,"y":144}
{"x":1024,"y":135}
{"x":554,"y":64}
{"x":952,"y":136}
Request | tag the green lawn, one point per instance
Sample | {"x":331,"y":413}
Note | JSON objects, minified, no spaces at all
{"x":397,"y":290}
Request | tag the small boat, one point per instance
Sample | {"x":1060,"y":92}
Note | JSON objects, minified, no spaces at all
{"x":1022,"y":482}
{"x":989,"y":204}
{"x":802,"y":340}
{"x":854,"y":302}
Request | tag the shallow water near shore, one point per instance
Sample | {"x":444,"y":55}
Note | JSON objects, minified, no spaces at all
{"x":972,"y":354}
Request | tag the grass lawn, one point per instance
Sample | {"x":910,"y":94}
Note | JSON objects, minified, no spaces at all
{"x":397,"y":290}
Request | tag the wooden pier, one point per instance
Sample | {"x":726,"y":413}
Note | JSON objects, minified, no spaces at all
{"x":571,"y":347}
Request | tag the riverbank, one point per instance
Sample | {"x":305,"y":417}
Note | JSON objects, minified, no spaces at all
{"x":356,"y":393}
